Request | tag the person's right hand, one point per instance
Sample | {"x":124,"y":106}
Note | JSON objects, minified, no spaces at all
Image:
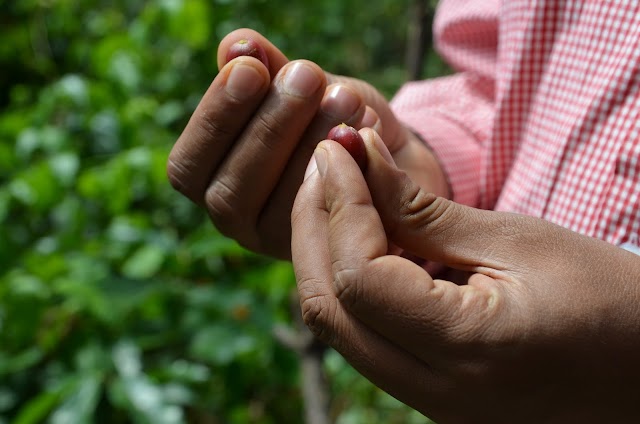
{"x":243,"y":153}
{"x":545,"y":328}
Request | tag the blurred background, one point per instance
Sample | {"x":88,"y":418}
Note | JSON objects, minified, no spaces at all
{"x":119,"y":301}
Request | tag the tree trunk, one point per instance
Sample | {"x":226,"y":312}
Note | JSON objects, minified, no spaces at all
{"x":418,"y":37}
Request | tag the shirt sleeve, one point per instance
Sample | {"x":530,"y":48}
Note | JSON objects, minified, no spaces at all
{"x":454,"y":114}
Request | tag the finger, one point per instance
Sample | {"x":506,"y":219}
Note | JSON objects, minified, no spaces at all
{"x":372,"y":120}
{"x":224,"y":110}
{"x":391,"y":131}
{"x":243,"y":182}
{"x":363,"y":348}
{"x":277,"y":59}
{"x":339,"y":104}
{"x":390,"y":294}
{"x":370,"y":95}
{"x":439,"y":230}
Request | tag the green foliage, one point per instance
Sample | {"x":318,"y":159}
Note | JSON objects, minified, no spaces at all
{"x":119,"y":302}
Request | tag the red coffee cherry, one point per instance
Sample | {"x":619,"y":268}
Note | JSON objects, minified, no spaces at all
{"x":351,"y":140}
{"x":247,"y":47}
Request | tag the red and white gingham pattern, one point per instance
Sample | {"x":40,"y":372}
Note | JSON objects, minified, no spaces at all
{"x":542,"y":117}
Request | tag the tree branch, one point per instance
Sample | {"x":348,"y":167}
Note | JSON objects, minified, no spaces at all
{"x":310,"y":352}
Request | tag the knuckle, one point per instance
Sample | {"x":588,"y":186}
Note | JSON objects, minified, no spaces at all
{"x":219,"y":199}
{"x":177,"y":174}
{"x":482,"y":322}
{"x":425,"y":211}
{"x":181,"y":177}
{"x":318,"y":314}
{"x":214,"y":129}
{"x":222,"y":203}
{"x":271,"y":128}
{"x":348,"y":284}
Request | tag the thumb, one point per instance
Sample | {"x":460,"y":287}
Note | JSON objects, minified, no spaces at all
{"x":440,"y":230}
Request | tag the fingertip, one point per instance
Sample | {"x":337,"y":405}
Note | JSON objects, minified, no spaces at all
{"x":301,"y":78}
{"x":375,"y":146}
{"x":320,"y":155}
{"x":372,"y":120}
{"x":343,"y":104}
{"x":312,"y":168}
{"x":234,"y":37}
{"x":276,"y":59}
{"x":245,"y":77}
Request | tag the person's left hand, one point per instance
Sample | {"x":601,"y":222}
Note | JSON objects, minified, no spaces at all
{"x":245,"y":148}
{"x":546,"y":329}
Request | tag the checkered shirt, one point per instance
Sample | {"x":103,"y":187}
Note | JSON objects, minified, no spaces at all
{"x":541,"y":116}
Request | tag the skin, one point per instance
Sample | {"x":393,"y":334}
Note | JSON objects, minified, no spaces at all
{"x":243,"y":153}
{"x":545,"y":326}
{"x":247,"y":48}
{"x":545,"y":329}
{"x":351,"y":140}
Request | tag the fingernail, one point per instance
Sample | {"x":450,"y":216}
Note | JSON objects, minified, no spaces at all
{"x":244,"y":82}
{"x":300,"y":80}
{"x":380,"y":146}
{"x":370,"y":118}
{"x":377,"y":127}
{"x":311,"y":168}
{"x":340,"y":103}
{"x":321,"y":160}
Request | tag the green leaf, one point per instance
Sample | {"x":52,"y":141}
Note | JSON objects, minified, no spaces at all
{"x":190,"y":23}
{"x":145,"y":262}
{"x":74,"y":87}
{"x":146,"y":402}
{"x":135,"y":391}
{"x":221,"y":344}
{"x":182,"y":370}
{"x":36,"y":187}
{"x":80,"y":406}
{"x":65,"y":167}
{"x":38,"y":408}
{"x":25,"y":284}
{"x":24,"y":360}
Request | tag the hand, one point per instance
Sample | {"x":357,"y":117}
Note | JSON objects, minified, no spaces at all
{"x":547,"y":328}
{"x":244,"y":151}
